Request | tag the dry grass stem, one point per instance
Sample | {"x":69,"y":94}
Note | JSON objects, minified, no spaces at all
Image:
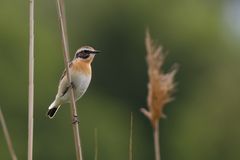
{"x":96,"y":144}
{"x":156,"y":141}
{"x":7,"y":136}
{"x":62,"y":19}
{"x":131,"y":139}
{"x":31,"y":80}
{"x":160,"y":88}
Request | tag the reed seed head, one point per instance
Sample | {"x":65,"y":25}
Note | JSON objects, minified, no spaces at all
{"x":161,"y":85}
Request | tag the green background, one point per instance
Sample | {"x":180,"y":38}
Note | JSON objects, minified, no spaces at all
{"x":201,"y":36}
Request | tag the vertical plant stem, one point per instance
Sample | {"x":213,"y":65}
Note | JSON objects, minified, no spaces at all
{"x":31,"y":80}
{"x":7,"y":136}
{"x":96,"y":143}
{"x":131,"y":139}
{"x":156,"y":141}
{"x":60,"y":7}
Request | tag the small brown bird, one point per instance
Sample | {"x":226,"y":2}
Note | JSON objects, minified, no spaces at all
{"x":80,"y":72}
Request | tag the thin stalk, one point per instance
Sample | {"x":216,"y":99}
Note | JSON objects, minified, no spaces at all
{"x":60,"y":7}
{"x":7,"y":136}
{"x":96,"y":143}
{"x":156,"y":141}
{"x":31,"y":80}
{"x":131,"y":139}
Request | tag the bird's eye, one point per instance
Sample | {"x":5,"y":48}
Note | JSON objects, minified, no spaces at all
{"x":85,"y":51}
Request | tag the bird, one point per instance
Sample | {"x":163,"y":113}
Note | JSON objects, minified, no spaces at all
{"x":81,"y":72}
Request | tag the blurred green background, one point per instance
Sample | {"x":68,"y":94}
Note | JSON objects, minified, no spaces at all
{"x":202,"y":36}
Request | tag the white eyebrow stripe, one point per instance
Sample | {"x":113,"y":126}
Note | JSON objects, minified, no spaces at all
{"x":87,"y":48}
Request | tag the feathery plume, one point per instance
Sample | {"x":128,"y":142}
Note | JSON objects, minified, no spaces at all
{"x":161,"y":85}
{"x":160,"y":88}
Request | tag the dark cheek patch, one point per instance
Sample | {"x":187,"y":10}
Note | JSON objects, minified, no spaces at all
{"x":78,"y":55}
{"x":82,"y":55}
{"x":85,"y":56}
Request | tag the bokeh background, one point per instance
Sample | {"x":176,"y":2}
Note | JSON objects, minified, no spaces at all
{"x":201,"y":36}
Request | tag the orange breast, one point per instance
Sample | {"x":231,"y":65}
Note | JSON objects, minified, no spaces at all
{"x":81,"y":66}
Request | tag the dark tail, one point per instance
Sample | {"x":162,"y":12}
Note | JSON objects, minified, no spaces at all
{"x":51,"y":112}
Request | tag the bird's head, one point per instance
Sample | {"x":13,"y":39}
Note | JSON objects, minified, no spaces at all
{"x":86,"y":53}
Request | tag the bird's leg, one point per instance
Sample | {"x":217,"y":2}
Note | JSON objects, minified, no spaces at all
{"x":75,"y":119}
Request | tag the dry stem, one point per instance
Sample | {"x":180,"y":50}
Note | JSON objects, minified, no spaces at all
{"x":156,"y":141}
{"x":31,"y":80}
{"x":131,"y":139}
{"x":60,"y":6}
{"x":7,"y":136}
{"x":96,"y":143}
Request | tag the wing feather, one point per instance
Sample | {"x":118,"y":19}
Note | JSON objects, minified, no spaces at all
{"x":64,"y":72}
{"x":64,"y":88}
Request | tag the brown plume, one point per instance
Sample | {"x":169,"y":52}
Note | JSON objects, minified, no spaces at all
{"x":161,"y":85}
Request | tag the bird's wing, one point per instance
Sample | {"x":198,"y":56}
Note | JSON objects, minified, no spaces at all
{"x":64,"y":72}
{"x":64,"y":88}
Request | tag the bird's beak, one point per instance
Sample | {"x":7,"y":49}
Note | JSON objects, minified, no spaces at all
{"x":95,"y":52}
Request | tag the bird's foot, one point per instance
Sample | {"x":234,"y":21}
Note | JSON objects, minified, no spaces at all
{"x":75,"y":120}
